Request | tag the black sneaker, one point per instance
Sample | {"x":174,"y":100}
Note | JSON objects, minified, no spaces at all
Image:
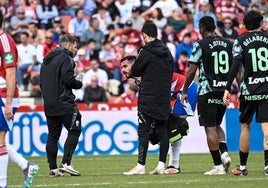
{"x":238,"y":172}
{"x":172,"y":170}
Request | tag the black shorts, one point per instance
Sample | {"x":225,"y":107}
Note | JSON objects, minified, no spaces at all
{"x":211,"y":109}
{"x":248,"y":106}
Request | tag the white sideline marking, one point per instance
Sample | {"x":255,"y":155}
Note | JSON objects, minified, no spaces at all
{"x":145,"y":182}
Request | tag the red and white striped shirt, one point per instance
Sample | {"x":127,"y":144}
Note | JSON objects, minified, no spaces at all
{"x":8,"y":58}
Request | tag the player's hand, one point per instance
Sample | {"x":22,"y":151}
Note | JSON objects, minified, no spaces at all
{"x":9,"y":112}
{"x":226,"y":97}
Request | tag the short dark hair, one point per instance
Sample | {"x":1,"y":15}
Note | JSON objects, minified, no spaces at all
{"x":150,"y":29}
{"x":128,"y":58}
{"x":207,"y":23}
{"x":68,"y":39}
{"x":252,"y":20}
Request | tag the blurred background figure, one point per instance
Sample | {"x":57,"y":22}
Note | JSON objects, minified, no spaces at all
{"x":36,"y":36}
{"x":46,"y":11}
{"x":26,"y":61}
{"x":227,"y":30}
{"x":78,"y":24}
{"x":94,"y":92}
{"x":19,"y":23}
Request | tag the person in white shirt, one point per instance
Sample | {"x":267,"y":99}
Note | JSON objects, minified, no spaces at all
{"x":26,"y":58}
{"x":95,"y":70}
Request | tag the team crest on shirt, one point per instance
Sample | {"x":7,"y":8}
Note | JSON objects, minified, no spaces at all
{"x":9,"y":58}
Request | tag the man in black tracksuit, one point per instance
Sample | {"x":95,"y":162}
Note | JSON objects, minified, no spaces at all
{"x":154,"y":65}
{"x":57,"y":81}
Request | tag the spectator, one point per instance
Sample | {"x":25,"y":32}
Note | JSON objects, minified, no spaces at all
{"x":94,"y":92}
{"x":134,"y":36}
{"x":7,"y":11}
{"x":262,"y":4}
{"x":203,"y":8}
{"x":57,"y":30}
{"x":107,"y":59}
{"x":228,"y":31}
{"x":89,"y":7}
{"x":26,"y":59}
{"x":81,"y":60}
{"x":46,"y":11}
{"x":104,"y":19}
{"x":188,"y":6}
{"x":228,"y":8}
{"x":91,"y":52}
{"x":78,"y":24}
{"x":124,"y":10}
{"x":168,"y":35}
{"x":46,"y":46}
{"x":177,"y":22}
{"x":71,"y":6}
{"x":136,"y":18}
{"x":93,"y":33}
{"x":60,"y":4}
{"x":167,"y":7}
{"x":158,"y":18}
{"x":36,"y":36}
{"x":29,"y":9}
{"x":95,"y":70}
{"x":110,"y":6}
{"x":19,"y":23}
{"x":189,"y":28}
{"x":185,"y":45}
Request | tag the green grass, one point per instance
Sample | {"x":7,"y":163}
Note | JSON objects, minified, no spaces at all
{"x":106,"y":171}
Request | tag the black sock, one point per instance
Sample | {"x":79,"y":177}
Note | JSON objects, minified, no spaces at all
{"x":216,"y":156}
{"x":223,"y":147}
{"x":243,"y":158}
{"x":266,"y":157}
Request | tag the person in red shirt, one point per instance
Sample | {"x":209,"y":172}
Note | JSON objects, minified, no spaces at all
{"x":48,"y":44}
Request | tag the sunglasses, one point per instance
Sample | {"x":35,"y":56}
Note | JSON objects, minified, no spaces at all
{"x":21,"y":13}
{"x":48,"y":37}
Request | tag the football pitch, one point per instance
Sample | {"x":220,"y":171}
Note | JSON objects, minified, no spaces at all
{"x":106,"y":171}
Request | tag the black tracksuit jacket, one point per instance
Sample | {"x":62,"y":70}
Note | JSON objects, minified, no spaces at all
{"x":154,"y":65}
{"x":57,"y":81}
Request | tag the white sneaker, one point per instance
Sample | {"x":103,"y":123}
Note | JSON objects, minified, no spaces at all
{"x":135,"y":171}
{"x":216,"y":170}
{"x":158,"y":171}
{"x":226,"y":161}
{"x":55,"y":173}
{"x":69,"y":169}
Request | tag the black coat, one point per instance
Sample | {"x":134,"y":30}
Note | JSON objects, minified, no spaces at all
{"x":57,"y":81}
{"x":154,"y":65}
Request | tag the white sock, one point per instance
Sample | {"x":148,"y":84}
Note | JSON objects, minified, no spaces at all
{"x":4,"y":165}
{"x":220,"y":167}
{"x":140,"y":166}
{"x":160,"y":164}
{"x":223,"y":155}
{"x":16,"y":157}
{"x":174,"y":155}
{"x":242,"y":167}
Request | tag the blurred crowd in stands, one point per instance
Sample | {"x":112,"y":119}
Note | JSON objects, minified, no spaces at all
{"x":108,"y":30}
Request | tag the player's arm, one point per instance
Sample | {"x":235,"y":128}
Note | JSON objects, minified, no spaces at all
{"x":10,"y":89}
{"x":189,"y":78}
{"x":232,"y":75}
